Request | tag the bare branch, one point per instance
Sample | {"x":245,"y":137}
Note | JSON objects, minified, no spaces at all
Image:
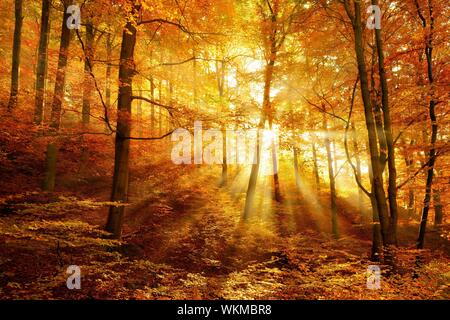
{"x":105,"y":107}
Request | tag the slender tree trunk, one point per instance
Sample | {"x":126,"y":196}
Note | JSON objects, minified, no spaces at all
{"x":16,"y":55}
{"x":41,"y":70}
{"x":108,"y":70}
{"x":160,"y":120}
{"x":294,"y":149}
{"x":87,"y":82}
{"x":109,"y":42}
{"x":160,"y":115}
{"x":122,"y":144}
{"x":380,"y":134}
{"x":296,"y":171}
{"x":432,"y":154}
{"x":224,"y":178}
{"x":152,"y":107}
{"x":376,"y":227}
{"x":87,"y":92}
{"x":220,"y":86}
{"x":377,"y":179}
{"x":409,"y":163}
{"x":411,"y":202}
{"x":358,"y":168}
{"x":333,"y":208}
{"x":50,"y":170}
{"x":392,"y":180}
{"x":333,"y":145}
{"x":434,"y":126}
{"x":251,"y":189}
{"x":276,"y":179}
{"x":377,"y":111}
{"x":194,"y":78}
{"x":315,"y":165}
{"x":376,"y":232}
{"x":58,"y":94}
{"x":267,"y":113}
{"x":438,"y":208}
{"x":139,"y":112}
{"x":427,"y":200}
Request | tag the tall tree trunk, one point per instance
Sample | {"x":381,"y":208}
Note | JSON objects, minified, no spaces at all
{"x":377,"y":179}
{"x":392,"y":180}
{"x":41,"y":70}
{"x":58,"y":94}
{"x":315,"y":164}
{"x":160,"y":120}
{"x":358,"y":168}
{"x":438,"y":208}
{"x":122,"y":144}
{"x":377,"y":111}
{"x":427,"y":199}
{"x":152,"y":107}
{"x":109,"y":42}
{"x":139,"y":113}
{"x":409,"y":163}
{"x":251,"y":189}
{"x":380,"y":134}
{"x":220,"y":87}
{"x":108,"y":70}
{"x":411,"y":202}
{"x":87,"y":81}
{"x":16,"y":55}
{"x":333,"y":208}
{"x":276,"y":180}
{"x":432,"y":155}
{"x":267,"y":113}
{"x":87,"y":92}
{"x":194,"y":78}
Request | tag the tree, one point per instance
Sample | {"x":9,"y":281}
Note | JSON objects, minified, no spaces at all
{"x":331,"y":176}
{"x":16,"y":55}
{"x":387,"y":127}
{"x":58,"y":93}
{"x":122,"y":143}
{"x":41,"y":71}
{"x":220,"y":71}
{"x":88,"y":68}
{"x":432,"y":153}
{"x":276,"y":20}
{"x":109,"y":44}
{"x":377,"y":173}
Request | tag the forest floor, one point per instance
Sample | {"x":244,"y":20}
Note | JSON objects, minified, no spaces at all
{"x":184,"y":239}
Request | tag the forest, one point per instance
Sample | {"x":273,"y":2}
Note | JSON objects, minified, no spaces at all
{"x":225,"y":149}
